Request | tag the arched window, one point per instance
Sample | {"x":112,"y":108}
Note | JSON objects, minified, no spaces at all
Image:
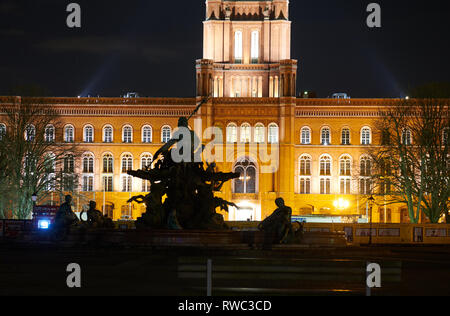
{"x":108,"y":163}
{"x":260,"y":132}
{"x":246,"y":183}
{"x":49,"y":134}
{"x":69,"y":133}
{"x":50,"y":168}
{"x":88,"y":170}
{"x":238,"y":47}
{"x":255,"y":47}
{"x":305,"y":136}
{"x":305,"y":165}
{"x":231,"y":133}
{"x":88,"y":163}
{"x":366,"y":136}
{"x":146,"y":163}
{"x":69,"y":164}
{"x":325,"y":165}
{"x":88,"y":134}
{"x":325,"y":136}
{"x":2,"y":131}
{"x":246,"y":132}
{"x":127,"y":163}
{"x":345,"y":166}
{"x":365,"y":172}
{"x":365,"y":167}
{"x":166,"y":134}
{"x":345,"y":136}
{"x":406,"y":136}
{"x":273,"y":134}
{"x":305,"y":174}
{"x":30,"y":133}
{"x":127,"y":134}
{"x":147,"y":134}
{"x":108,"y":135}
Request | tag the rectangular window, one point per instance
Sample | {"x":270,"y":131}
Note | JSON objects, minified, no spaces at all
{"x":345,"y":186}
{"x":108,"y":183}
{"x":325,"y":186}
{"x":305,"y":186}
{"x":126,"y":184}
{"x":88,"y":184}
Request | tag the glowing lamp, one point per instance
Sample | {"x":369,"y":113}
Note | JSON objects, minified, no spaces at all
{"x":43,"y":224}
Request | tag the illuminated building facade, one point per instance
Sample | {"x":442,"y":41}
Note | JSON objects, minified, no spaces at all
{"x":314,"y":148}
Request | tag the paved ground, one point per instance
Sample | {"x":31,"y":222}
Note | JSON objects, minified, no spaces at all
{"x":32,"y":270}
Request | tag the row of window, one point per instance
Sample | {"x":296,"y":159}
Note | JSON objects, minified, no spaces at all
{"x":244,"y":133}
{"x":88,"y":133}
{"x":325,"y":136}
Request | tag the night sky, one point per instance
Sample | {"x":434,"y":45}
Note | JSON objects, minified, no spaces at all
{"x":151,"y":46}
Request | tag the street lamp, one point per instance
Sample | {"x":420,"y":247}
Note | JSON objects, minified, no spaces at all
{"x":34,"y":198}
{"x":371,"y":202}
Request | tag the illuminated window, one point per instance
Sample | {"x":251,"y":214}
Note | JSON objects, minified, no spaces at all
{"x":49,"y":134}
{"x":260,"y":131}
{"x":325,"y":186}
{"x":146,"y":163}
{"x":69,"y":132}
{"x":325,"y":166}
{"x":238,"y":47}
{"x":127,"y":163}
{"x":255,"y":47}
{"x":147,"y":134}
{"x":69,"y":164}
{"x":246,"y":183}
{"x":30,"y":133}
{"x":273,"y":133}
{"x":345,"y":166}
{"x":88,"y":134}
{"x":107,"y":184}
{"x":306,"y":136}
{"x":326,"y":136}
{"x":232,"y":133}
{"x":305,"y":185}
{"x":88,"y":163}
{"x":366,"y":136}
{"x":88,"y":183}
{"x":406,"y":137}
{"x":345,"y":185}
{"x":346,"y":136}
{"x":108,"y":134}
{"x":127,"y":134}
{"x":166,"y":134}
{"x":108,"y":163}
{"x":246,"y":131}
{"x":305,"y":165}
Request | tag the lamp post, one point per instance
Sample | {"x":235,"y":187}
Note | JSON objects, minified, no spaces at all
{"x":371,"y":202}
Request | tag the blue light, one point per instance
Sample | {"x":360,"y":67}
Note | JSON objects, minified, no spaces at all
{"x":44,"y":224}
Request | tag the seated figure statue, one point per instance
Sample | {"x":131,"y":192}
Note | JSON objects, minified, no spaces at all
{"x":65,"y":218}
{"x":279,"y":223}
{"x":95,"y":218}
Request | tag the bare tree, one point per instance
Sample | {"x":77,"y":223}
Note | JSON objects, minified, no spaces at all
{"x":411,"y":163}
{"x":35,"y":158}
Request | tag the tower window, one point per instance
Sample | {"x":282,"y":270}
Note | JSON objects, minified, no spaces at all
{"x":238,"y":47}
{"x":255,"y":47}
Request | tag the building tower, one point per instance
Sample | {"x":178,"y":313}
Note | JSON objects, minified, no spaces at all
{"x":247,"y":50}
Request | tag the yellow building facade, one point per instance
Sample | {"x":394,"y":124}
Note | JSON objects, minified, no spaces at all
{"x":308,"y":151}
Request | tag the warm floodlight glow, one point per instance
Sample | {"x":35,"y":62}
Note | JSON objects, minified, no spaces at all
{"x":341,"y":204}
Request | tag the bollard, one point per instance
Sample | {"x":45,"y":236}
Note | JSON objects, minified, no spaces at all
{"x":209,"y":278}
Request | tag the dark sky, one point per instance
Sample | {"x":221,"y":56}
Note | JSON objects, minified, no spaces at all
{"x":151,"y":46}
